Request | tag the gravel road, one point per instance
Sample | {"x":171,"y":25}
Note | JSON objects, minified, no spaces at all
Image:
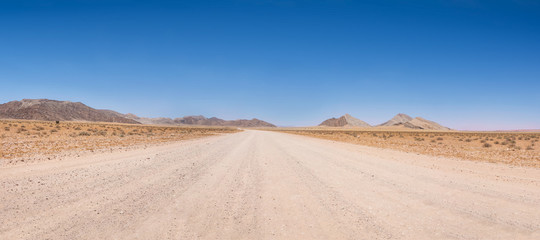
{"x":268,"y":185}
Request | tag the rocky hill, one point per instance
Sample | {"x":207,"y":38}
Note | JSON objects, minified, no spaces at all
{"x":248,"y":123}
{"x":413,"y":123}
{"x":420,"y":123}
{"x":344,"y":121}
{"x":400,"y":118}
{"x":53,"y":110}
{"x":202,"y":121}
{"x":153,"y":121}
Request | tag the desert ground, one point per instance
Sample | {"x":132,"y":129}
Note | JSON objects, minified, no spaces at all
{"x":264,"y":185}
{"x":24,"y":141}
{"x":514,"y":148}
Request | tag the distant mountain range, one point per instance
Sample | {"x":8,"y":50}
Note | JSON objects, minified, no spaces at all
{"x":201,"y":120}
{"x":400,"y":120}
{"x":53,"y":110}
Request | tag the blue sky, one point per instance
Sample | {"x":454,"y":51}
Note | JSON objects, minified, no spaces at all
{"x":466,"y":64}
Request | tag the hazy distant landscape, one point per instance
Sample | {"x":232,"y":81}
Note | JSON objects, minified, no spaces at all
{"x":63,"y":144}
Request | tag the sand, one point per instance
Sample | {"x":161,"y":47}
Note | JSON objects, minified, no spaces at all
{"x":268,"y":185}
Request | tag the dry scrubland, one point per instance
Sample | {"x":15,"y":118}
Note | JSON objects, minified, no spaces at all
{"x":268,"y":185}
{"x":519,"y":149}
{"x":31,"y":141}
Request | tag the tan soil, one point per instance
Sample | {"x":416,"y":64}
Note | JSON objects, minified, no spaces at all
{"x":24,"y":141}
{"x":268,"y":185}
{"x":519,"y":149}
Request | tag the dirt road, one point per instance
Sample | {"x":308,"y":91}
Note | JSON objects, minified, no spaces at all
{"x":268,"y":185}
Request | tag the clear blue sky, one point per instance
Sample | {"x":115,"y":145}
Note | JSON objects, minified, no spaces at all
{"x":466,"y":64}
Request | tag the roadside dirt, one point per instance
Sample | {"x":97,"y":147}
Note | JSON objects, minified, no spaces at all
{"x":268,"y":185}
{"x":513,"y":148}
{"x":24,"y":141}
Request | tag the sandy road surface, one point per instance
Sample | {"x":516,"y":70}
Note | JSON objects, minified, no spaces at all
{"x":268,"y":185}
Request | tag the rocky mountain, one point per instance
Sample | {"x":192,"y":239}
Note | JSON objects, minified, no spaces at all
{"x":248,"y":123}
{"x":420,"y":123}
{"x":201,"y":121}
{"x":344,"y":121}
{"x":398,"y":119}
{"x":154,"y":121}
{"x":413,"y":123}
{"x":52,"y":110}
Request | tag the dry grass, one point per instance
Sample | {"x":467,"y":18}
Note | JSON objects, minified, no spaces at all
{"x":28,"y":141}
{"x":519,"y":149}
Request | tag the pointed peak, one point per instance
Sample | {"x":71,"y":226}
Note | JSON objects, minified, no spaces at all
{"x":344,"y":121}
{"x":402,"y":115}
{"x":400,"y":118}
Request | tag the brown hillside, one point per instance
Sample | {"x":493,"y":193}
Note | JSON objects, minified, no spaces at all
{"x":53,"y":110}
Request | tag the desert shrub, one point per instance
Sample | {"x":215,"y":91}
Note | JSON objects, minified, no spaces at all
{"x":101,"y":133}
{"x":529,"y":148}
{"x":77,"y":128}
{"x":439,"y":139}
{"x":54,"y":130}
{"x":84,"y":134}
{"x":468,"y":140}
{"x":486,"y":145}
{"x":496,"y":142}
{"x":6,"y":129}
{"x":483,"y":141}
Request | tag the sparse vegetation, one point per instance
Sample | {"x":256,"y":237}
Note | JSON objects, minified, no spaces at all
{"x":84,"y":134}
{"x":479,"y":146}
{"x":29,"y":138}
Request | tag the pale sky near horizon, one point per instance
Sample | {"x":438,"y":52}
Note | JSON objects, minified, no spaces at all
{"x":466,"y":64}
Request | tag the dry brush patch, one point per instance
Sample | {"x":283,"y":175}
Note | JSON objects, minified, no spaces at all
{"x":30,"y":141}
{"x":520,"y":149}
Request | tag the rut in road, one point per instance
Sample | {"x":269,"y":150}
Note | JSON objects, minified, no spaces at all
{"x":268,"y":185}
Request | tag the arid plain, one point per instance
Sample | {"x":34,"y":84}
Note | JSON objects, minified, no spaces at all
{"x":82,"y":180}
